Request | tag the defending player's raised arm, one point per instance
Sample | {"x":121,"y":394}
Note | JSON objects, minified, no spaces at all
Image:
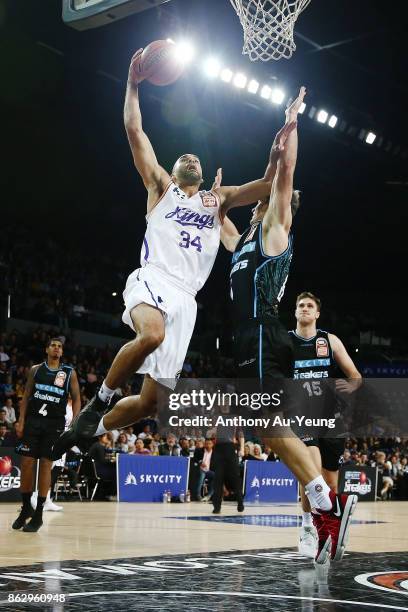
{"x":29,"y":387}
{"x":75,"y":394}
{"x":279,"y":209}
{"x":260,"y":189}
{"x":153,"y":175}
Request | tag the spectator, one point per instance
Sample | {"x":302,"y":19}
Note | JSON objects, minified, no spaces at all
{"x":122,"y":445}
{"x":130,"y":435}
{"x":10,"y":412}
{"x":258,"y":454}
{"x":203,"y":456}
{"x":3,"y":434}
{"x":3,"y":356}
{"x":185,"y":447}
{"x":146,"y":433}
{"x":249,"y":452}
{"x":347,"y":460}
{"x":140,"y":448}
{"x":105,"y":469}
{"x":170,"y":447}
{"x":3,"y":417}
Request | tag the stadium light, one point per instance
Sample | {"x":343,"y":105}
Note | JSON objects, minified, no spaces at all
{"x":277,"y":96}
{"x":266,"y":92}
{"x":302,"y":108}
{"x":253,"y":86}
{"x":322,"y":116}
{"x":226,"y":75}
{"x":333,"y":121}
{"x":114,"y":294}
{"x":370,"y":138}
{"x":240,"y":80}
{"x":212,"y":67}
{"x":185,"y":51}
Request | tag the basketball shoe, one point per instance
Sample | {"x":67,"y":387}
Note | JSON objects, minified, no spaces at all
{"x":335,"y":524}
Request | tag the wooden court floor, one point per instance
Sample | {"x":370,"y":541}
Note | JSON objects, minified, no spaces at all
{"x":109,"y":530}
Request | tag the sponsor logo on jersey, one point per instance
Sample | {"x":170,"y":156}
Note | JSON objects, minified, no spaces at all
{"x":322,"y":347}
{"x":60,"y":378}
{"x":248,"y":248}
{"x":310,"y":374}
{"x":311,"y":363}
{"x":188,"y":217}
{"x":208,"y":199}
{"x":251,"y":233}
{"x":240,"y":265}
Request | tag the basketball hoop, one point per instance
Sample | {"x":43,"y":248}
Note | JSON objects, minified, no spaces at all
{"x":268,"y":27}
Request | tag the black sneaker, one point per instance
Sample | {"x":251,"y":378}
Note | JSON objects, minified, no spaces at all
{"x":33,"y":525}
{"x":240,"y":507}
{"x":24,"y":515}
{"x":82,"y":427}
{"x":216,"y":511}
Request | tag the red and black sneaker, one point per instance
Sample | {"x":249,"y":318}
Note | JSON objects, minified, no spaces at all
{"x":324,"y":538}
{"x":337,"y":522}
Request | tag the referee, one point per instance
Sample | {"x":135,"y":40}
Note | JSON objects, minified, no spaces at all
{"x":226,"y":466}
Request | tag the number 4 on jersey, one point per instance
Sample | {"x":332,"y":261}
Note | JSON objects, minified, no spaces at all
{"x":43,"y":410}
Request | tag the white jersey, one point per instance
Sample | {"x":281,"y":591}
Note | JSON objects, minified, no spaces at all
{"x":183,"y":236}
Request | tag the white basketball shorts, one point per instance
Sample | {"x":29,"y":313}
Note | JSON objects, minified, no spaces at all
{"x":150,"y":286}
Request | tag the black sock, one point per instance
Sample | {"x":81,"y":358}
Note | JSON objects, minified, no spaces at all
{"x":40,"y":505}
{"x":26,"y":497}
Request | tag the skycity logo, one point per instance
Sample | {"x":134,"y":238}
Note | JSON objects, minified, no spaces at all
{"x":130,"y":479}
{"x":255,"y":483}
{"x":187,"y":217}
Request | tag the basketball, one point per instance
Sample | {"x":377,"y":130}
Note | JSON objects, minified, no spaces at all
{"x":159,"y":63}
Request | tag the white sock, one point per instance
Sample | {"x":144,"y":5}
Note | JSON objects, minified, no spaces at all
{"x":307,"y":519}
{"x":101,"y":428}
{"x":105,"y":393}
{"x":318,"y":492}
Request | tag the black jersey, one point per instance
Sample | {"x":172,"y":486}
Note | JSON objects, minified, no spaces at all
{"x":257,"y":280}
{"x":50,"y":393}
{"x":313,"y":356}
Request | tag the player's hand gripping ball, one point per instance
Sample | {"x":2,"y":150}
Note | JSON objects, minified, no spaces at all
{"x":158,"y":63}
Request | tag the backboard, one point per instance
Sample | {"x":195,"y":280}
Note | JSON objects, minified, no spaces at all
{"x":86,"y":14}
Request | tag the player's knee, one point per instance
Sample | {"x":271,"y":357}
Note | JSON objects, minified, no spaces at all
{"x":150,"y":339}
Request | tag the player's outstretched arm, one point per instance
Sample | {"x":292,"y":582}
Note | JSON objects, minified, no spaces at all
{"x":230,"y":197}
{"x":154,"y":177}
{"x":229,"y":233}
{"x":279,"y":210}
{"x":29,"y":387}
{"x":75,"y":394}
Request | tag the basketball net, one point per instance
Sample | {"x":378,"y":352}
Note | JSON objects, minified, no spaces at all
{"x":268,"y":27}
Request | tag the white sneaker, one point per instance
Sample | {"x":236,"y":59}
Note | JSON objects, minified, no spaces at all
{"x":307,"y":545}
{"x":49,"y":505}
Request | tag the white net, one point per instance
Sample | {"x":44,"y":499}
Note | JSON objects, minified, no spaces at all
{"x":268,"y":27}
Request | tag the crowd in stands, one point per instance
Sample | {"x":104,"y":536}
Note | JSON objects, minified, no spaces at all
{"x":18,"y":352}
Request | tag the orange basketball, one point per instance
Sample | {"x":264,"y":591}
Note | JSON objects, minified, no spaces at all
{"x":159,"y":63}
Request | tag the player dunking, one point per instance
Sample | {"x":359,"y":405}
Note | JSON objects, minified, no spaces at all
{"x":260,"y":267}
{"x":41,"y":421}
{"x":179,"y":250}
{"x":317,"y":354}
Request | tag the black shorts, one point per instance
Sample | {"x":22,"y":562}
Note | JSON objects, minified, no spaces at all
{"x":331,"y":450}
{"x":39,"y":436}
{"x":263,"y":350}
